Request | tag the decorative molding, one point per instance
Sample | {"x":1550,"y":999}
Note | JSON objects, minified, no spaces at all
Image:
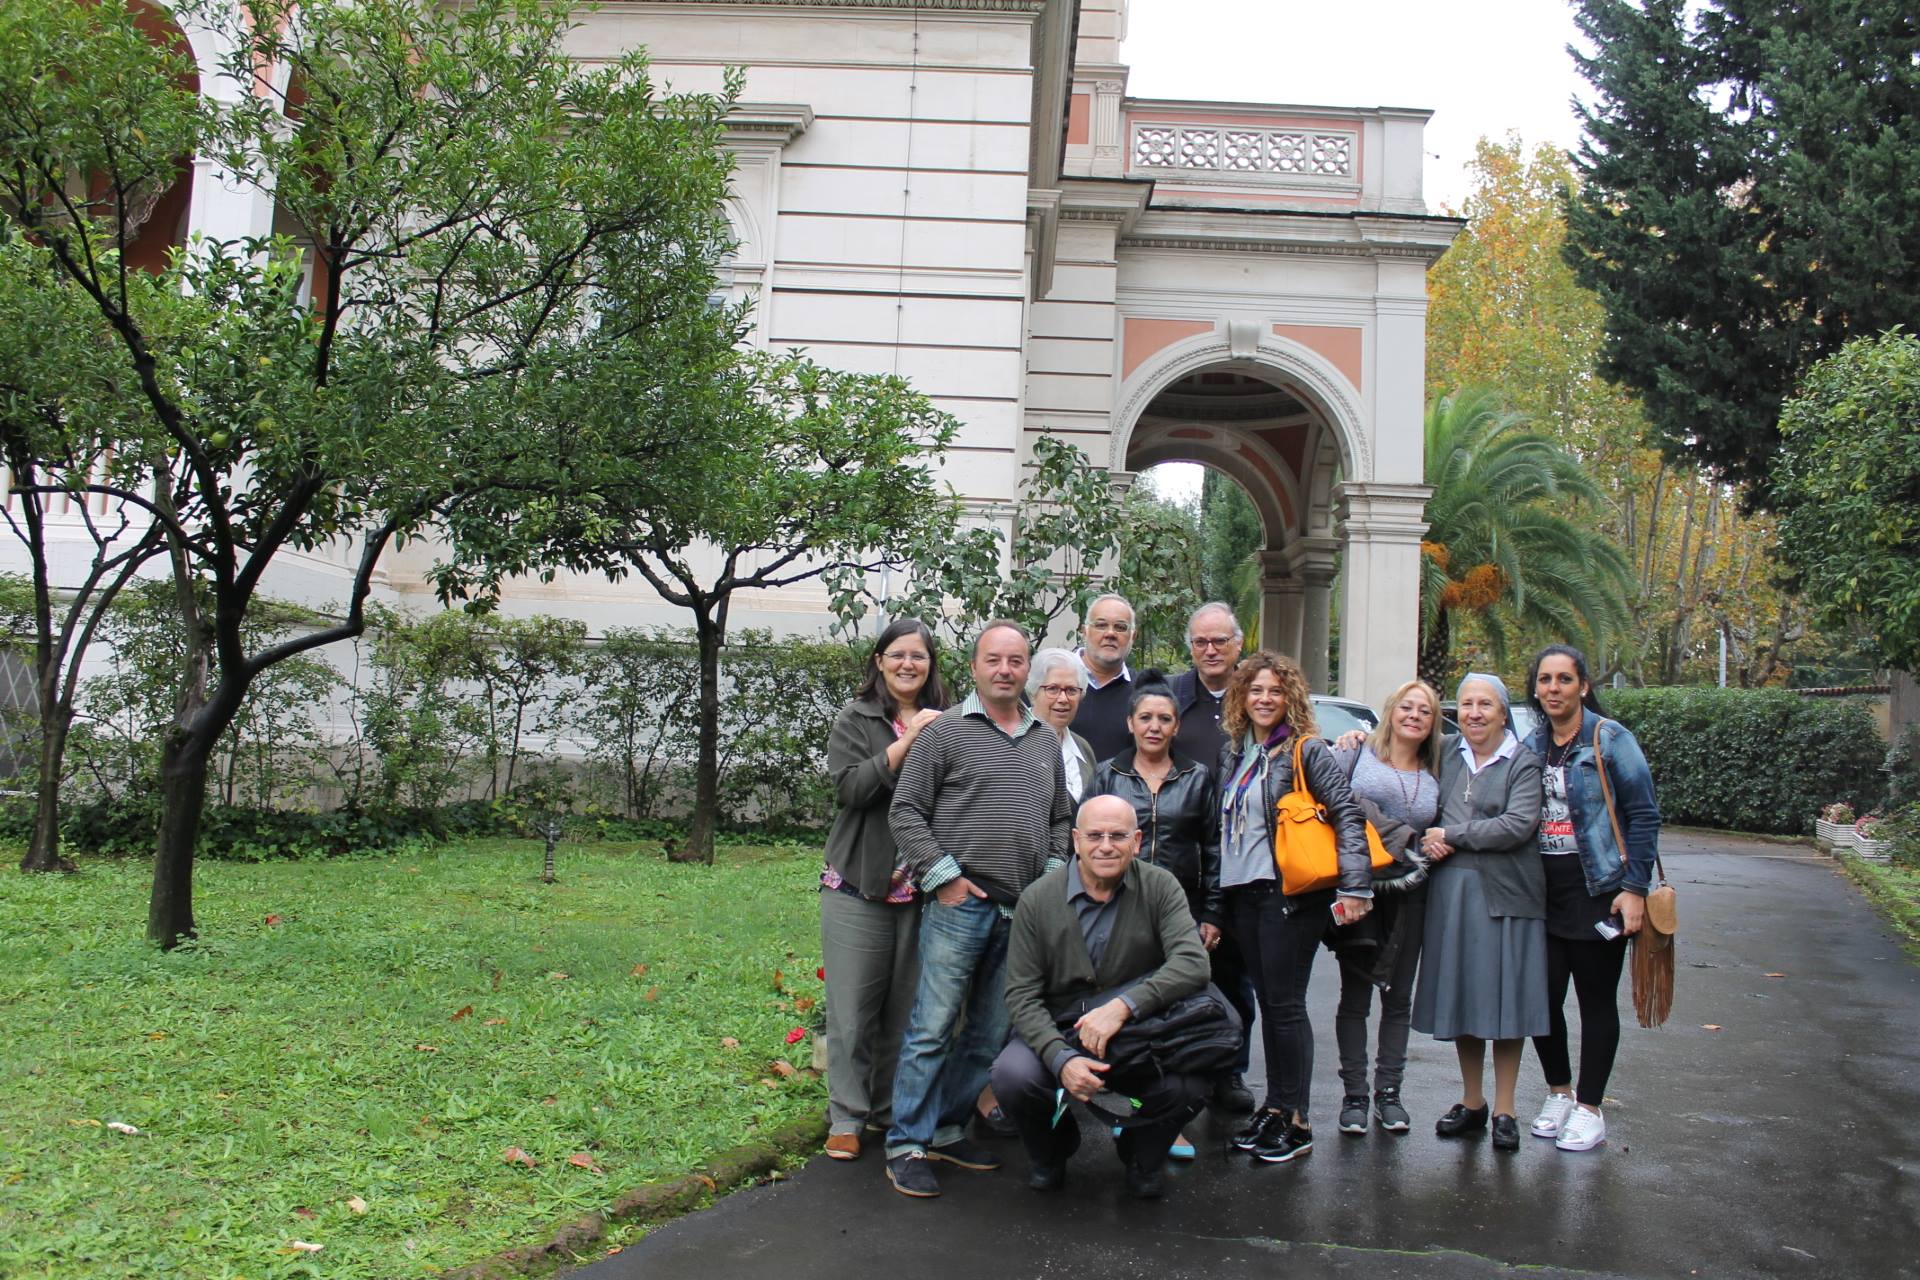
{"x":980,"y":6}
{"x":1227,"y":150}
{"x":1367,"y":251}
{"x":776,"y":122}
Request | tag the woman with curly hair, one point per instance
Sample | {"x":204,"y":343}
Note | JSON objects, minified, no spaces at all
{"x":1269,"y":726}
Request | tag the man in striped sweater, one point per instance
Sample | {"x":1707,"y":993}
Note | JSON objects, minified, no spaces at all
{"x":980,"y":811}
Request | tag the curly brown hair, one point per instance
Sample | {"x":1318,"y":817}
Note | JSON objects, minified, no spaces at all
{"x":1293,"y":683}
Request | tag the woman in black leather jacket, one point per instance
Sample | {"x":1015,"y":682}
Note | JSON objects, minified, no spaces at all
{"x":1267,"y":714}
{"x":1178,"y":806}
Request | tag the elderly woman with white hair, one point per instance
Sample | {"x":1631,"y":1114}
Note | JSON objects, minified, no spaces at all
{"x":1483,"y":974}
{"x":1056,"y":684}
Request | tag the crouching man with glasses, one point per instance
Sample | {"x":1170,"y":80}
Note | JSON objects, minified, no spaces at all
{"x":1101,"y":950}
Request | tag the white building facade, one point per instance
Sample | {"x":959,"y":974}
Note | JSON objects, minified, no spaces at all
{"x":963,"y":193}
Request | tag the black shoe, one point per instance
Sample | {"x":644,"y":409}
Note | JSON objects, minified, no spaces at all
{"x":1250,"y":1137}
{"x":1353,"y":1113}
{"x":1285,"y":1143}
{"x":996,"y":1123}
{"x":1047,"y":1177}
{"x":911,"y":1175}
{"x":966,"y":1155}
{"x":1393,"y":1117}
{"x":1506,"y":1133}
{"x":1461,"y":1120}
{"x":1230,"y":1094}
{"x":1146,"y":1184}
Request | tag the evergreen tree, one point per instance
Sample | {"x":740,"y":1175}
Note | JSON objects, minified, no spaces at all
{"x":1230,"y":531}
{"x":1747,"y":205}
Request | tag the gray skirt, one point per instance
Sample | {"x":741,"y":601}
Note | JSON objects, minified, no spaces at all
{"x":1480,"y":975}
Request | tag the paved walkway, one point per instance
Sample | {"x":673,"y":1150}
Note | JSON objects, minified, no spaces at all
{"x":1785,"y":1143}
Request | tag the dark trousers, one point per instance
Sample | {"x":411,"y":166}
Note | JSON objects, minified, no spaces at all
{"x":1594,"y":968}
{"x":1396,"y":1001}
{"x":1278,"y":937}
{"x":1027,"y":1093}
{"x":1230,"y":975}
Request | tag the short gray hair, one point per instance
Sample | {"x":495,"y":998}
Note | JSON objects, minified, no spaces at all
{"x":1047,"y":660}
{"x":1215,"y":606}
{"x":1133,"y":619}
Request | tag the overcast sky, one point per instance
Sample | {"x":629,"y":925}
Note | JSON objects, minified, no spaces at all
{"x":1483,"y":68}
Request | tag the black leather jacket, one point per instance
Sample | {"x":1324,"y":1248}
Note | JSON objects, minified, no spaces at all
{"x":1179,"y":827}
{"x":1327,"y":784}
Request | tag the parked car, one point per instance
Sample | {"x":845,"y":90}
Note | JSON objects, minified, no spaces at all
{"x":1524,"y":718}
{"x":1337,"y":715}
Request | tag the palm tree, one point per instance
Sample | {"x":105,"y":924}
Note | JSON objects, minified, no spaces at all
{"x":1497,"y":545}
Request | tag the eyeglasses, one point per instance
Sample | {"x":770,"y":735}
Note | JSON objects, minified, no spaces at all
{"x":1209,"y":642}
{"x":1060,"y":690}
{"x":1106,"y":837}
{"x":906,"y":659}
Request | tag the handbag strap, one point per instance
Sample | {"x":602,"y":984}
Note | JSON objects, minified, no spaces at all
{"x":1606,"y":794}
{"x":1299,"y":767}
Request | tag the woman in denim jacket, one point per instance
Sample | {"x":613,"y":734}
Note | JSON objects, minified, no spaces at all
{"x":1599,"y":861}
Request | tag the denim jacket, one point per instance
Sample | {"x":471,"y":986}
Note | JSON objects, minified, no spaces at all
{"x":1608,"y":867}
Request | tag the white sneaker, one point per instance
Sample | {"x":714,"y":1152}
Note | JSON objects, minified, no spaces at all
{"x":1583,"y":1131}
{"x":1553,"y":1115}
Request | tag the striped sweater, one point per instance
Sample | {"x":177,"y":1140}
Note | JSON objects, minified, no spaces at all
{"x":974,"y":799}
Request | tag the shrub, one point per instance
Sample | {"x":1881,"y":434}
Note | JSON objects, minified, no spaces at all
{"x":1753,"y":759}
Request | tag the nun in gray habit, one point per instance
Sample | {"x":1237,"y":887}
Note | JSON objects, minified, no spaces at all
{"x":1483,"y":972}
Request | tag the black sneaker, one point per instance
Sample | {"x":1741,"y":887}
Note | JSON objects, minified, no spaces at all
{"x":1231,"y":1094}
{"x":1461,"y":1121}
{"x":1046,"y":1177}
{"x":1284,"y":1143}
{"x":1146,"y":1184}
{"x":1250,"y":1137}
{"x":966,"y":1155}
{"x":1506,"y":1133}
{"x":1392,"y":1116}
{"x":1353,"y":1113}
{"x":911,"y":1175}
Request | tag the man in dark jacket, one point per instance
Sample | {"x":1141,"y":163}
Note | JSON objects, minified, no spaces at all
{"x":1107,"y":632}
{"x":1214,"y":639}
{"x":1105,"y":923}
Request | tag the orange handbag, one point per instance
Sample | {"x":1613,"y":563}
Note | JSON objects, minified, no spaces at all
{"x":1305,"y":851}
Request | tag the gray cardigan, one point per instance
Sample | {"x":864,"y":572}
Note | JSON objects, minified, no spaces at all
{"x":1493,"y":826}
{"x":860,"y":843}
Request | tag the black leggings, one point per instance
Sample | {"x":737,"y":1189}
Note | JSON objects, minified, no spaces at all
{"x":1595,"y":969}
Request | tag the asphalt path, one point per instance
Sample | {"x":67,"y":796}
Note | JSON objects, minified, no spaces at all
{"x":1771,"y":1128}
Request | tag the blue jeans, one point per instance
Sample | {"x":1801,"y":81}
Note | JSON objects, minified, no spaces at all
{"x":963,"y":961}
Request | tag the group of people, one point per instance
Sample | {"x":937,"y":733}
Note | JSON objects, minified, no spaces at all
{"x":1076,"y":848}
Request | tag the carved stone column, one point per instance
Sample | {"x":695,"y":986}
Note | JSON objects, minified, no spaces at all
{"x":1380,"y":624}
{"x":1313,"y":564}
{"x":1280,"y":612}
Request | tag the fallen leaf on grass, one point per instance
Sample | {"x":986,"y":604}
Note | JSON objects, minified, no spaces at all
{"x":613,"y":1249}
{"x":494,"y":1022}
{"x":821,"y":973}
{"x":780,"y":982}
{"x":496,"y":979}
{"x":156,"y":1035}
{"x":302,"y":1246}
{"x":796,"y":1035}
{"x":301,"y":1211}
{"x":1709,"y":1026}
{"x":275,"y":919}
{"x":83,"y":1123}
{"x":121,"y":1126}
{"x":1775,"y":975}
{"x":770,"y":1082}
{"x":783,"y":1069}
{"x":425,"y":1048}
{"x":728,"y":1042}
{"x":356,"y":1204}
{"x":638,"y":971}
{"x":558,"y":976}
{"x":653,"y":993}
{"x":514,"y":1155}
{"x":465,"y":1010}
{"x":549,"y":1101}
{"x":581,"y":1160}
{"x":804,"y":1003}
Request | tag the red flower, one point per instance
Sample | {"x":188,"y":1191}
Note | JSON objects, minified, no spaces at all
{"x":796,"y":1035}
{"x":821,"y":973}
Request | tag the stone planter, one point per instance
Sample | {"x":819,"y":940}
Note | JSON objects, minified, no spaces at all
{"x":1872,"y":850}
{"x":1837,"y":835}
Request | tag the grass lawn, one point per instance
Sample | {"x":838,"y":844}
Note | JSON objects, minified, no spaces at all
{"x":1895,"y":890}
{"x":345,"y":1057}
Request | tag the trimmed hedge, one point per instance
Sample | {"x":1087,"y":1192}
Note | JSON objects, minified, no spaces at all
{"x":1753,"y":759}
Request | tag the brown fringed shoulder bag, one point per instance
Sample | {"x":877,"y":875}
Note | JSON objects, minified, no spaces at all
{"x":1652,"y":948}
